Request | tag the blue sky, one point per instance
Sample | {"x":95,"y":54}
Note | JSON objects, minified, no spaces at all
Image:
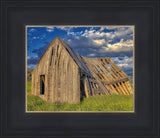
{"x":114,"y":42}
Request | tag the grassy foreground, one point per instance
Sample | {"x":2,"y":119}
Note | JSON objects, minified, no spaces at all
{"x":94,"y":103}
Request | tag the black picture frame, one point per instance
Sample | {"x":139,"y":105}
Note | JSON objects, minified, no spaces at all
{"x":144,"y":15}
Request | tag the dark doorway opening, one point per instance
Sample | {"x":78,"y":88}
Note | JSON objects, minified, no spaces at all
{"x":42,"y":84}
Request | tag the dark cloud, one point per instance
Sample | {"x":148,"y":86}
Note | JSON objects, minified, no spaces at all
{"x":78,"y":42}
{"x":32,"y":60}
{"x":40,"y":51}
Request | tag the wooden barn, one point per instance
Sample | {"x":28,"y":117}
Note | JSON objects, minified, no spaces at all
{"x":62,"y":75}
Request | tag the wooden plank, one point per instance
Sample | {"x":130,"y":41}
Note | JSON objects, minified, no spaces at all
{"x":50,"y":75}
{"x":62,"y":79}
{"x":70,"y":81}
{"x":53,"y":71}
{"x":121,"y":88}
{"x":129,"y":87}
{"x":90,"y":87}
{"x":117,"y":89}
{"x":124,"y":88}
{"x":114,"y":90}
{"x":78,"y":85}
{"x":58,"y":76}
{"x":115,"y":81}
{"x":65,"y":71}
{"x":128,"y":90}
{"x":86,"y":88}
{"x":93,"y":92}
{"x":75,"y":85}
{"x":56,"y":79}
{"x":67,"y":79}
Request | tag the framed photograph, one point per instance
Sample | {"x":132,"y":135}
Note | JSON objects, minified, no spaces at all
{"x":80,"y":69}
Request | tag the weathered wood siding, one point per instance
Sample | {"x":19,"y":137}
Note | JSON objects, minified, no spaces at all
{"x":62,"y":79}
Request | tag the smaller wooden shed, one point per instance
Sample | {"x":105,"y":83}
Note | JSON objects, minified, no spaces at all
{"x":62,"y":75}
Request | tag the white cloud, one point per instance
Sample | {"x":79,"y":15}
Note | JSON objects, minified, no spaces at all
{"x":122,"y":32}
{"x":102,"y":28}
{"x":109,"y":28}
{"x":50,"y":29}
{"x":32,"y":30}
{"x":35,"y":37}
{"x":64,"y":28}
{"x":91,"y":55}
{"x":74,"y":33}
{"x":67,"y":29}
{"x":93,"y":34}
{"x":35,"y":57}
{"x":99,"y":42}
{"x":120,"y":46}
{"x":105,"y":47}
{"x":118,"y":32}
{"x":70,"y":31}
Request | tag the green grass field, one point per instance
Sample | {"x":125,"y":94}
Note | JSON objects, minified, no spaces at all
{"x":94,"y":103}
